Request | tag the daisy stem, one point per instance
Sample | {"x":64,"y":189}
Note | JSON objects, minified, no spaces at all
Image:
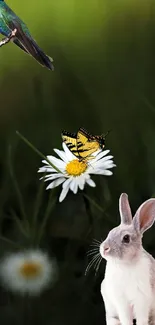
{"x":50,"y":205}
{"x":38,"y":202}
{"x":89,"y":213}
{"x":37,"y":151}
{"x":27,"y":315}
{"x":19,"y":224}
{"x":96,"y":205}
{"x":18,"y":193}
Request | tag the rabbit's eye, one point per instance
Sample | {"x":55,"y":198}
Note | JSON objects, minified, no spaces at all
{"x":126,"y":239}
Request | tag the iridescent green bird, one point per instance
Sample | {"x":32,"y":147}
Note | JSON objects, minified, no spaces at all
{"x":13,"y":28}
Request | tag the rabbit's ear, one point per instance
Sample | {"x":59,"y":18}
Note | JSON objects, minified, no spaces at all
{"x":145,"y":216}
{"x":124,"y":209}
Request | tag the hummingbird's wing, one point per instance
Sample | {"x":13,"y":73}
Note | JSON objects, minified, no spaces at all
{"x":17,"y":42}
{"x":26,"y":42}
{"x":24,"y":39}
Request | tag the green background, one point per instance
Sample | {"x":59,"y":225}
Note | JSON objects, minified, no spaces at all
{"x":104,"y":78}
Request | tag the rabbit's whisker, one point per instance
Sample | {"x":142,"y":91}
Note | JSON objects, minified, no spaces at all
{"x":98,"y":265}
{"x":92,"y":251}
{"x":96,"y":241}
{"x":96,"y":262}
{"x":90,"y":264}
{"x":95,"y":245}
{"x":93,"y":260}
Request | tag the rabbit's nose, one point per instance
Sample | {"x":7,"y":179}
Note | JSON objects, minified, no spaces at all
{"x":106,"y":249}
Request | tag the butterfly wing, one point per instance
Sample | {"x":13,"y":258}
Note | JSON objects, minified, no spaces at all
{"x":83,"y":144}
{"x":70,"y":140}
{"x":86,"y":144}
{"x":101,"y":140}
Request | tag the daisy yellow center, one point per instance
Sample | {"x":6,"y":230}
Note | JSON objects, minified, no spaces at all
{"x":30,"y":269}
{"x":76,"y":167}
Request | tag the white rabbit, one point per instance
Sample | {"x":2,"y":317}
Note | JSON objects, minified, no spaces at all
{"x":128,"y":289}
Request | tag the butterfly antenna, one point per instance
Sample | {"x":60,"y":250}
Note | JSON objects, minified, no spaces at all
{"x":104,"y":135}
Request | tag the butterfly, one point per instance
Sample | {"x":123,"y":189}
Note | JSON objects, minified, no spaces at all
{"x":83,"y":144}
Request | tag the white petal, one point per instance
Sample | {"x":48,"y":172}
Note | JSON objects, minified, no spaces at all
{"x":67,"y":182}
{"x":57,"y":162}
{"x":52,"y":177}
{"x":107,"y":172}
{"x":63,"y":193}
{"x":55,"y":183}
{"x":49,"y":157}
{"x":109,"y":165}
{"x":46,"y":170}
{"x":81,"y":182}
{"x":104,"y":164}
{"x":96,"y":152}
{"x":62,"y":155}
{"x":104,"y":158}
{"x":45,"y":161}
{"x":102,"y":154}
{"x":90,"y":182}
{"x":86,"y":176}
{"x":74,"y":185}
{"x":69,"y":154}
{"x":103,"y":172}
{"x":98,"y":163}
{"x":96,"y":171}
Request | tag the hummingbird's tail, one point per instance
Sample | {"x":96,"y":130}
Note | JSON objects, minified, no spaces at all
{"x":29,"y":46}
{"x":41,"y":57}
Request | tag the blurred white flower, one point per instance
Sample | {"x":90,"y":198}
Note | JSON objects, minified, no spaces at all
{"x":27,"y":272}
{"x":75,"y":173}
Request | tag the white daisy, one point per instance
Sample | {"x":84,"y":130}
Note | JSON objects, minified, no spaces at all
{"x":27,"y":272}
{"x":74,"y":173}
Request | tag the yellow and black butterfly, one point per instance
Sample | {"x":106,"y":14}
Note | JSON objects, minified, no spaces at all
{"x":83,"y":144}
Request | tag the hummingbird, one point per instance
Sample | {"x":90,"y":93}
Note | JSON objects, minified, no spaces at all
{"x":15,"y":30}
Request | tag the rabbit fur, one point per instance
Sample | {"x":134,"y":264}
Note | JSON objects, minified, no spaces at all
{"x":128,"y":288}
